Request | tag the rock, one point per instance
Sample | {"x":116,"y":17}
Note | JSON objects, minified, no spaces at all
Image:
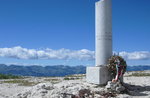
{"x":46,"y":86}
{"x":108,"y":86}
{"x":114,"y":86}
{"x":120,"y":89}
{"x":44,"y":91}
{"x":39,"y":90}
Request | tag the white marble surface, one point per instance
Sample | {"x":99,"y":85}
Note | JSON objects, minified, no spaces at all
{"x":103,"y":36}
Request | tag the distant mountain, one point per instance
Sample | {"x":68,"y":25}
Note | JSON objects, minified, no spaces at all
{"x":138,"y":68}
{"x":58,"y":70}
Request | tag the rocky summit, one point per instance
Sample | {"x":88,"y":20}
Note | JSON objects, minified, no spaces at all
{"x":136,"y":85}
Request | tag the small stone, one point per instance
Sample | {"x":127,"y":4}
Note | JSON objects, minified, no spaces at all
{"x":120,"y":89}
{"x":86,"y":95}
{"x":108,"y":86}
{"x":48,"y":88}
{"x":44,"y":91}
{"x":43,"y":86}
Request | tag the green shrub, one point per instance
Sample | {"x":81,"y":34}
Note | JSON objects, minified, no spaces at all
{"x":71,"y":78}
{"x":66,"y":78}
{"x":9,"y":76}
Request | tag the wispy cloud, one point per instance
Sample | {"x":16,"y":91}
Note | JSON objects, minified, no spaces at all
{"x":138,"y":55}
{"x":64,"y":54}
{"x":24,"y":53}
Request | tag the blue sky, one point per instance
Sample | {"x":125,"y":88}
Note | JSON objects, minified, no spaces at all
{"x":55,"y":32}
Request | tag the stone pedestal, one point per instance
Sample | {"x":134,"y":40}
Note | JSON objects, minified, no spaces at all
{"x":97,"y":75}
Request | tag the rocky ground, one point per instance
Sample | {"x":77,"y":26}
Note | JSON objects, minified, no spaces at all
{"x":137,"y":86}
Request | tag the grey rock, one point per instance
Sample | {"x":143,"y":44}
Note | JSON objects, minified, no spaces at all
{"x":44,"y":91}
{"x":112,"y":86}
{"x":119,"y":89}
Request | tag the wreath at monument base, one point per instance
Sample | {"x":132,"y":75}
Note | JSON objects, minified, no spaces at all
{"x":112,"y":65}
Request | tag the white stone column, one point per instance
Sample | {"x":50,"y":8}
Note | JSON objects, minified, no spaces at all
{"x":103,"y":46}
{"x":103,"y":29}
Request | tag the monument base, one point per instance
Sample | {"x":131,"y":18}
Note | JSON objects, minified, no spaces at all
{"x":97,"y":75}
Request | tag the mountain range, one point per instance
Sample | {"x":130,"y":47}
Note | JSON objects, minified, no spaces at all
{"x":56,"y":70}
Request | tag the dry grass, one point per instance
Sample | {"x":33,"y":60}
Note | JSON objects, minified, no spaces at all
{"x":74,"y":77}
{"x":20,"y":82}
{"x":53,"y":80}
{"x":137,"y":74}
